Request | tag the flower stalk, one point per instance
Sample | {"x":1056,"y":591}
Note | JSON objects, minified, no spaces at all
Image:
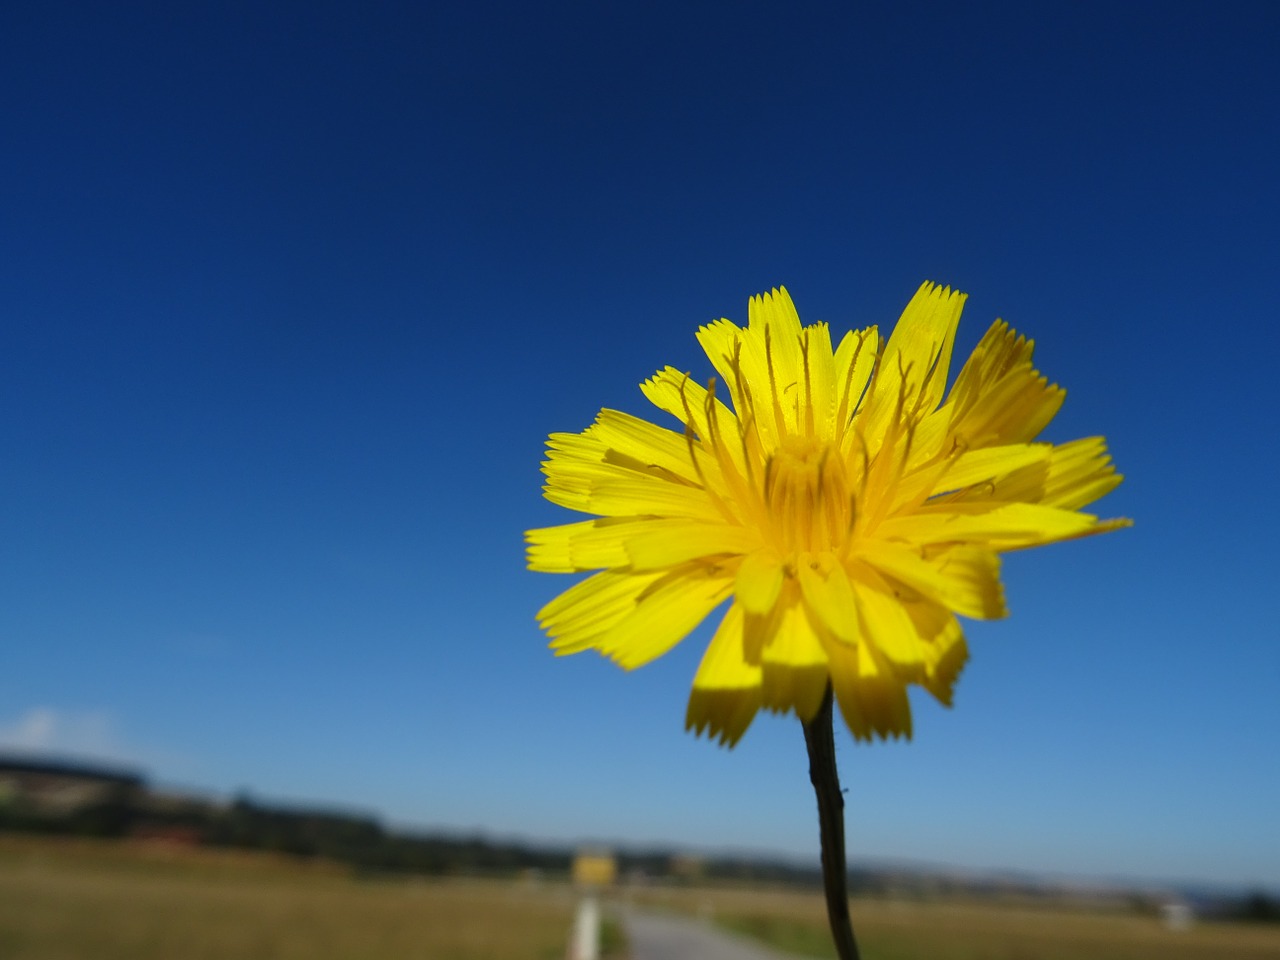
{"x":820,"y":740}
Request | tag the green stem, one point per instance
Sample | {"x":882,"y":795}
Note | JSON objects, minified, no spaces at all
{"x":820,"y":739}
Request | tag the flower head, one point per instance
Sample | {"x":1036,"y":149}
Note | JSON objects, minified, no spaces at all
{"x":848,"y":511}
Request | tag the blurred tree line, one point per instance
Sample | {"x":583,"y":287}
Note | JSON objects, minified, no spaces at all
{"x":64,"y":798}
{"x":1257,"y":907}
{"x":358,"y":841}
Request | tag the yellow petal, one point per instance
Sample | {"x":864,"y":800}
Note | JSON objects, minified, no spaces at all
{"x":818,"y":387}
{"x":759,"y":581}
{"x":641,"y":543}
{"x":964,"y":579}
{"x":1079,"y":473}
{"x":683,"y":397}
{"x":931,"y":444}
{"x":721,"y":341}
{"x":574,"y":462}
{"x":635,"y":495}
{"x":1074,"y":475}
{"x":665,"y":614}
{"x":1014,"y":409}
{"x":828,"y":594}
{"x":1002,"y":526}
{"x":855,"y":360}
{"x":772,"y":366}
{"x":726,"y":690}
{"x":885,"y":624}
{"x":999,"y":351}
{"x":794,"y":665}
{"x":588,"y":545}
{"x":962,"y":470}
{"x":583,"y":613}
{"x":945,"y":649}
{"x":647,"y":445}
{"x":584,"y":473}
{"x":912,"y":375}
{"x":632,"y":618}
{"x":872,"y":700}
{"x":999,"y":397}
{"x":665,"y":543}
{"x":988,"y":463}
{"x":690,"y":403}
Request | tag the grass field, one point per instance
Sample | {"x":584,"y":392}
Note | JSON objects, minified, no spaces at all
{"x":896,"y":930}
{"x":81,"y":900}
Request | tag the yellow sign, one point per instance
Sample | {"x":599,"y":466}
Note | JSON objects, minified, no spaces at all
{"x":594,"y":868}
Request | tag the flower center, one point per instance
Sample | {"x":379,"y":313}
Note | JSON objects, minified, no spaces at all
{"x":806,"y":498}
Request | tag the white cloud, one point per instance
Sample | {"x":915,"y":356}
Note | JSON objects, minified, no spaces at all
{"x":44,"y":730}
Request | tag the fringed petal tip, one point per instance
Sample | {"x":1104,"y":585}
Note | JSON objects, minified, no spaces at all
{"x":722,"y":715}
{"x":878,"y":711}
{"x":944,"y":672}
{"x":794,"y":688}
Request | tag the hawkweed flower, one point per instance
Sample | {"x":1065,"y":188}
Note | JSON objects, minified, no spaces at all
{"x":846,"y":505}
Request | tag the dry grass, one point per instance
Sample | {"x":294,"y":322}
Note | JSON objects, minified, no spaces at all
{"x":78,"y":900}
{"x":895,"y":930}
{"x":81,"y":900}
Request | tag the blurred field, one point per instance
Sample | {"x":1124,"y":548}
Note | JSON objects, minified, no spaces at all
{"x":796,"y":923}
{"x":66,"y":899}
{"x":80,"y":900}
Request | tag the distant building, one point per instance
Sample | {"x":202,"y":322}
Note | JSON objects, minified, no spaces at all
{"x":594,"y":867}
{"x":54,"y":788}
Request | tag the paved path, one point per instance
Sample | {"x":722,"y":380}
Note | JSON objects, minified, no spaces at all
{"x":660,"y":937}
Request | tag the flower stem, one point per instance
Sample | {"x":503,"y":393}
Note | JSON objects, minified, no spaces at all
{"x":820,"y":739}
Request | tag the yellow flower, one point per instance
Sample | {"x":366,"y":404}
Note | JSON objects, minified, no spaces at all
{"x":845,"y":507}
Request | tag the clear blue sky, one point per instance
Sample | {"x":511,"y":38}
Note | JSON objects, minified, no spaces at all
{"x":292,"y":294}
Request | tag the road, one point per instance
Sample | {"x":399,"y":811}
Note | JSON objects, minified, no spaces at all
{"x":654,"y":937}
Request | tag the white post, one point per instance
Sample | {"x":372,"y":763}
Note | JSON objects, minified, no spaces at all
{"x":586,"y":931}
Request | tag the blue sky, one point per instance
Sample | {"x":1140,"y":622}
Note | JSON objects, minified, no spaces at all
{"x":291,"y":298}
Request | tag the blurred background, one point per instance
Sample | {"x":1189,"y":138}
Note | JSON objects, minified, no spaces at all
{"x":292,"y":294}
